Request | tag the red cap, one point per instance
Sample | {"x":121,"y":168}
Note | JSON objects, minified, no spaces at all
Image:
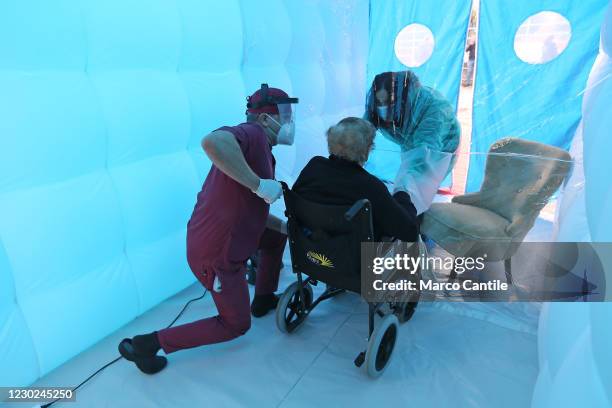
{"x":268,"y":108}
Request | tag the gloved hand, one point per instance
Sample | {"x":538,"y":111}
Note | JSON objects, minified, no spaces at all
{"x":269,"y":190}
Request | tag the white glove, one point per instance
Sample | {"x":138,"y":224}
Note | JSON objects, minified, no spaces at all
{"x":269,"y":190}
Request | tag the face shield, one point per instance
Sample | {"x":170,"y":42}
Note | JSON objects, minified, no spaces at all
{"x":271,"y":100}
{"x":286,"y":132}
{"x":389,"y":103}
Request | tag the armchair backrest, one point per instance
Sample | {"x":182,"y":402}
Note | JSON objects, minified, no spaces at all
{"x":520,"y":177}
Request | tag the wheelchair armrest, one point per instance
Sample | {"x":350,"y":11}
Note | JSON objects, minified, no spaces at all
{"x":354,"y":210}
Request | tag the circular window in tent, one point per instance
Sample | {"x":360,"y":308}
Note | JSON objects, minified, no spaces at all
{"x":414,"y":45}
{"x":542,"y":37}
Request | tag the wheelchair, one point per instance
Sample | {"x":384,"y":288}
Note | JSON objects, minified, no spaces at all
{"x":325,"y":246}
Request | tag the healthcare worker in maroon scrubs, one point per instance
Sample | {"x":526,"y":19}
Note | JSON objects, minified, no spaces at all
{"x":230,"y":222}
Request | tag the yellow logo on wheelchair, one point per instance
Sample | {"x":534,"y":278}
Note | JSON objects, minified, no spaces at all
{"x":319,"y":259}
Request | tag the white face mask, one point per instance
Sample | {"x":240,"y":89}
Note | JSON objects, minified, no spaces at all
{"x":383,"y":111}
{"x":286,"y":133}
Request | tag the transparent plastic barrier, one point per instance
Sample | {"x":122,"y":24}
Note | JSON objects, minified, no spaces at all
{"x":491,"y":224}
{"x":514,"y":170}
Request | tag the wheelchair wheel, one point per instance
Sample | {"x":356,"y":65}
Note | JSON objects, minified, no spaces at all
{"x":381,"y":345}
{"x":289,"y":312}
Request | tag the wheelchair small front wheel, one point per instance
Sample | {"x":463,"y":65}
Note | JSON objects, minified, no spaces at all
{"x":381,"y":345}
{"x":404,"y":311}
{"x":290,"y":312}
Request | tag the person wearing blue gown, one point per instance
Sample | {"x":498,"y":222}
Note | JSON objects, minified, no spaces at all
{"x":423,"y":124}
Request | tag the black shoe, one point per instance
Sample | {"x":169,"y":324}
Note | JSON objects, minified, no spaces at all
{"x":146,"y":344}
{"x":262,"y":304}
{"x":145,"y":361}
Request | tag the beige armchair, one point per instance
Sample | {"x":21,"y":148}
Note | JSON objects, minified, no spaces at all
{"x":520,"y":177}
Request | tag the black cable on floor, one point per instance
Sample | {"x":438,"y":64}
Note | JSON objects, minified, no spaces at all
{"x":119,"y":358}
{"x":185,"y":308}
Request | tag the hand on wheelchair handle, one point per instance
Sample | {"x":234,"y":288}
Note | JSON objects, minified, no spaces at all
{"x":270,"y":190}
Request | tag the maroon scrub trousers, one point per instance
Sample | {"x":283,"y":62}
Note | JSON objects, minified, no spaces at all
{"x":228,"y":224}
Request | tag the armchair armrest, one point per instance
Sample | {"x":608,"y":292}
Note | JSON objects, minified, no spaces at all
{"x":469,"y":198}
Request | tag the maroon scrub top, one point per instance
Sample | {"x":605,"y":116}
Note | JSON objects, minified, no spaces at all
{"x":228,"y":219}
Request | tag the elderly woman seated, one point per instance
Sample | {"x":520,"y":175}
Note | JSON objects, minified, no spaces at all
{"x":342,"y":180}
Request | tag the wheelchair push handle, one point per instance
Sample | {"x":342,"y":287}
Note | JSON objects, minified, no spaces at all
{"x":363,"y":204}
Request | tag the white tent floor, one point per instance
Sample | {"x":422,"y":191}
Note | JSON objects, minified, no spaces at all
{"x":449,"y":354}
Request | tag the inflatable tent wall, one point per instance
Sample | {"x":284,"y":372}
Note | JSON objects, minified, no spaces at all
{"x":103,"y":105}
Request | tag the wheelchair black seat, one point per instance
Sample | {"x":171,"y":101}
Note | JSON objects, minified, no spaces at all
{"x":325,"y":240}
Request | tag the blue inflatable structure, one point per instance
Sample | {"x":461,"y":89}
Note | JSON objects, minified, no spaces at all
{"x":103,"y":105}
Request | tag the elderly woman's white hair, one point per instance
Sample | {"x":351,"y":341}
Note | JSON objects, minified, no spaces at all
{"x":351,"y":139}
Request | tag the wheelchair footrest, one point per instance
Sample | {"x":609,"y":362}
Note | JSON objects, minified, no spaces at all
{"x":360,"y":359}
